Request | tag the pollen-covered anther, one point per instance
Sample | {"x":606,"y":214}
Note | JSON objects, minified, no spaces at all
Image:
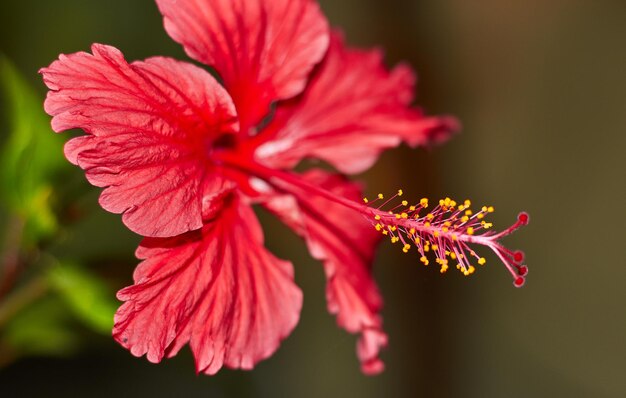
{"x":450,"y":230}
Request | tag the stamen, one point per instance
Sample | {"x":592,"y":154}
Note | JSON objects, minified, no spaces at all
{"x":447,"y":231}
{"x":443,"y":229}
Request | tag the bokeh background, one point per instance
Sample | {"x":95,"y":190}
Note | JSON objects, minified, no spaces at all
{"x":540,"y":87}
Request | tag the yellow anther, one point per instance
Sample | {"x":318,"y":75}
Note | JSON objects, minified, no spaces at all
{"x":406,"y":248}
{"x":430,"y":216}
{"x":443,"y":270}
{"x":424,"y":260}
{"x":470,"y":231}
{"x":435,"y":247}
{"x":453,"y":256}
{"x":376,"y":217}
{"x":447,"y":201}
{"x":394,"y":239}
{"x":461,"y":207}
{"x":412,"y":208}
{"x":404,"y":215}
{"x":398,"y":216}
{"x":426,"y":248}
{"x":381,"y":196}
{"x":436,"y":235}
{"x":491,"y":209}
{"x":484,"y":209}
{"x":405,"y":203}
{"x":488,"y":225}
{"x":467,"y":203}
{"x":454,"y":237}
{"x":400,"y":192}
{"x":385,"y":232}
{"x":471,"y":269}
{"x":452,"y":204}
{"x":427,"y":224}
{"x":366,"y":200}
{"x":447,"y":224}
{"x":482,"y":261}
{"x":378,"y":227}
{"x":424,"y":202}
{"x":412,"y":231}
{"x":468,"y":212}
{"x":480,"y":216}
{"x":393,"y":228}
{"x":464,"y":219}
{"x":444,"y":229}
{"x":461,"y":256}
{"x":442,"y":202}
{"x":466,"y":273}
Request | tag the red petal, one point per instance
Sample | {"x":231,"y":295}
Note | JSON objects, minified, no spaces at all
{"x":217,"y":289}
{"x":147,"y":124}
{"x":345,"y":243}
{"x":352,"y":109}
{"x":264,"y":50}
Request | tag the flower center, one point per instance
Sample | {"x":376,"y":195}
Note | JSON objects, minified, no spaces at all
{"x":224,"y":142}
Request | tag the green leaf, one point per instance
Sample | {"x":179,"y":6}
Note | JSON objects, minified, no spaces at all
{"x":31,"y":155}
{"x":86,"y":294}
{"x":42,"y":329}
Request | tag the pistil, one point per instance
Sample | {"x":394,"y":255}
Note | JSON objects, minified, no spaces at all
{"x":447,"y":230}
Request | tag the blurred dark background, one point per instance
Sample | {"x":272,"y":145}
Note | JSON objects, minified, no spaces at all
{"x":540,"y":87}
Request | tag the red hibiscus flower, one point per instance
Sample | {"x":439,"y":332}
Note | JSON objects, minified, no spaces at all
{"x":183,"y":157}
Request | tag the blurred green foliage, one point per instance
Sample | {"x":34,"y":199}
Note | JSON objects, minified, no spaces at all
{"x":30,"y":157}
{"x":88,"y":297}
{"x":46,"y":306}
{"x":42,"y":328}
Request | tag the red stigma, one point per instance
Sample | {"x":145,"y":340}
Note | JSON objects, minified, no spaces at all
{"x":522,"y":270}
{"x":523,"y":218}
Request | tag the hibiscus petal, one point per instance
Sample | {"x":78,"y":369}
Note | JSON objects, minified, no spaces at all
{"x":347,"y":119}
{"x":345,"y":243}
{"x":264,"y":50}
{"x":217,"y":289}
{"x":149,"y":125}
